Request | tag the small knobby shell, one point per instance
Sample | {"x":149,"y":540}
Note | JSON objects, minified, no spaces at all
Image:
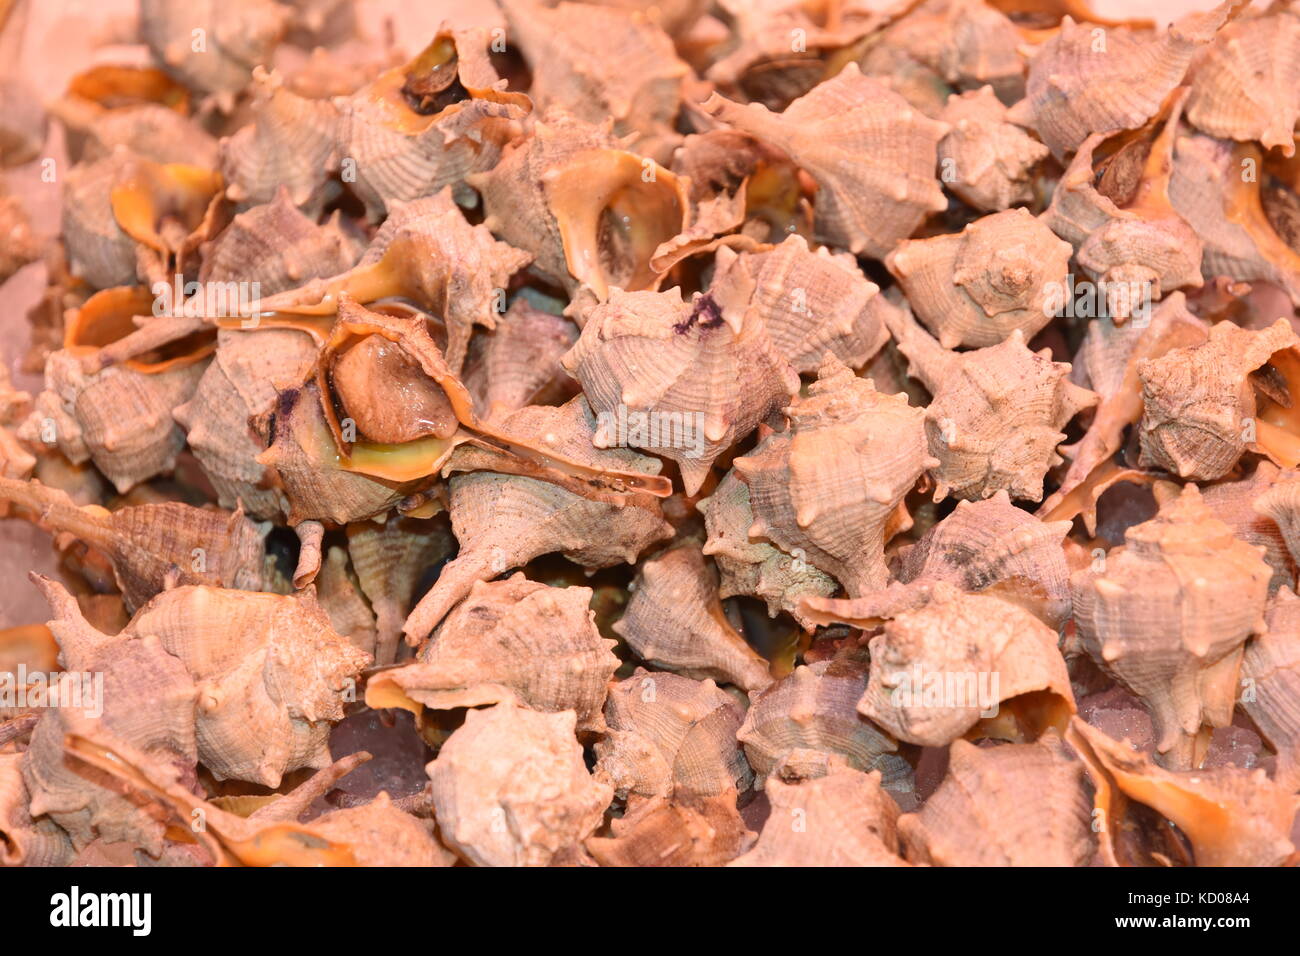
{"x":503,"y":521}
{"x":830,"y":485}
{"x":810,"y":302}
{"x":939,"y":669}
{"x":24,"y":841}
{"x":682,"y":831}
{"x":871,"y":155}
{"x":510,"y":788}
{"x":842,"y":818}
{"x":1270,"y":676}
{"x":815,"y":709}
{"x":1010,"y":805}
{"x":146,"y":699}
{"x":510,"y":640}
{"x":1088,"y":78}
{"x":272,"y":675}
{"x":997,"y":415}
{"x":1199,"y":401}
{"x":1002,"y":273}
{"x":686,"y":380}
{"x":518,"y":362}
{"x":1167,"y":615}
{"x":1228,"y":816}
{"x":153,"y":546}
{"x":671,"y":735}
{"x":755,"y":568}
{"x":1246,"y":84}
{"x":428,"y":124}
{"x":985,"y":159}
{"x":599,"y":62}
{"x":675,"y":620}
{"x":291,"y":145}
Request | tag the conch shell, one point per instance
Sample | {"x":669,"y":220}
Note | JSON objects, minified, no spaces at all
{"x":510,"y":788}
{"x":426,"y":126}
{"x":685,"y":380}
{"x":1270,"y":677}
{"x":1246,"y":84}
{"x":500,"y":644}
{"x":842,"y":818}
{"x":675,"y":620}
{"x":518,"y":362}
{"x":24,"y":841}
{"x":1228,"y":816}
{"x":691,"y":831}
{"x":868,"y":202}
{"x":997,"y":414}
{"x":755,"y":568}
{"x":936,"y":671}
{"x":1029,"y":801}
{"x":671,"y":735}
{"x":1199,"y":401}
{"x":153,"y":546}
{"x":827,"y":489}
{"x":985,"y":159}
{"x":1088,"y":78}
{"x":1002,"y":273}
{"x":1167,"y":616}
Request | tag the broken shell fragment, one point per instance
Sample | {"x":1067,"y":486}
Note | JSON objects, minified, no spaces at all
{"x":510,"y":788}
{"x":675,"y":620}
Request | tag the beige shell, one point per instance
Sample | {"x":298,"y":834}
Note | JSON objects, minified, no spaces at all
{"x":24,"y":841}
{"x":1010,"y":805}
{"x":510,"y":788}
{"x":425,"y":251}
{"x":676,"y":832}
{"x":163,"y":133}
{"x":1199,"y":402}
{"x":236,"y":36}
{"x":587,"y":210}
{"x":599,"y":62}
{"x":21,"y":246}
{"x":503,"y":521}
{"x":815,"y":709}
{"x":997,"y":414}
{"x":119,"y":418}
{"x":238,"y":385}
{"x":869,"y":204}
{"x":302,"y":455}
{"x":427,"y":125}
{"x":509,"y":640}
{"x":986,"y":546}
{"x":966,"y":43}
{"x":810,"y":302}
{"x":276,"y":247}
{"x":940,"y":669}
{"x":671,"y":735}
{"x":518,"y":362}
{"x":389,"y":560}
{"x":381,"y":834}
{"x":1166,"y":616}
{"x":271,"y":671}
{"x":1090,"y":78}
{"x":146,"y":700}
{"x":341,"y":598}
{"x":153,"y":546}
{"x":1280,"y":503}
{"x":1211,"y":189}
{"x":685,"y":380}
{"x":843,"y":818}
{"x":1228,"y":816}
{"x":751,"y":567}
{"x":1246,"y":84}
{"x":1270,"y":674}
{"x":24,"y":124}
{"x":988,"y":160}
{"x":674,"y":620}
{"x":291,"y":144}
{"x":97,"y":248}
{"x":827,"y":489}
{"x":1107,"y":363}
{"x":1127,"y":236}
{"x":974,"y":288}
{"x":1241,"y":505}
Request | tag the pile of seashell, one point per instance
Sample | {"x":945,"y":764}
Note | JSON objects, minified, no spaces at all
{"x":707,"y":432}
